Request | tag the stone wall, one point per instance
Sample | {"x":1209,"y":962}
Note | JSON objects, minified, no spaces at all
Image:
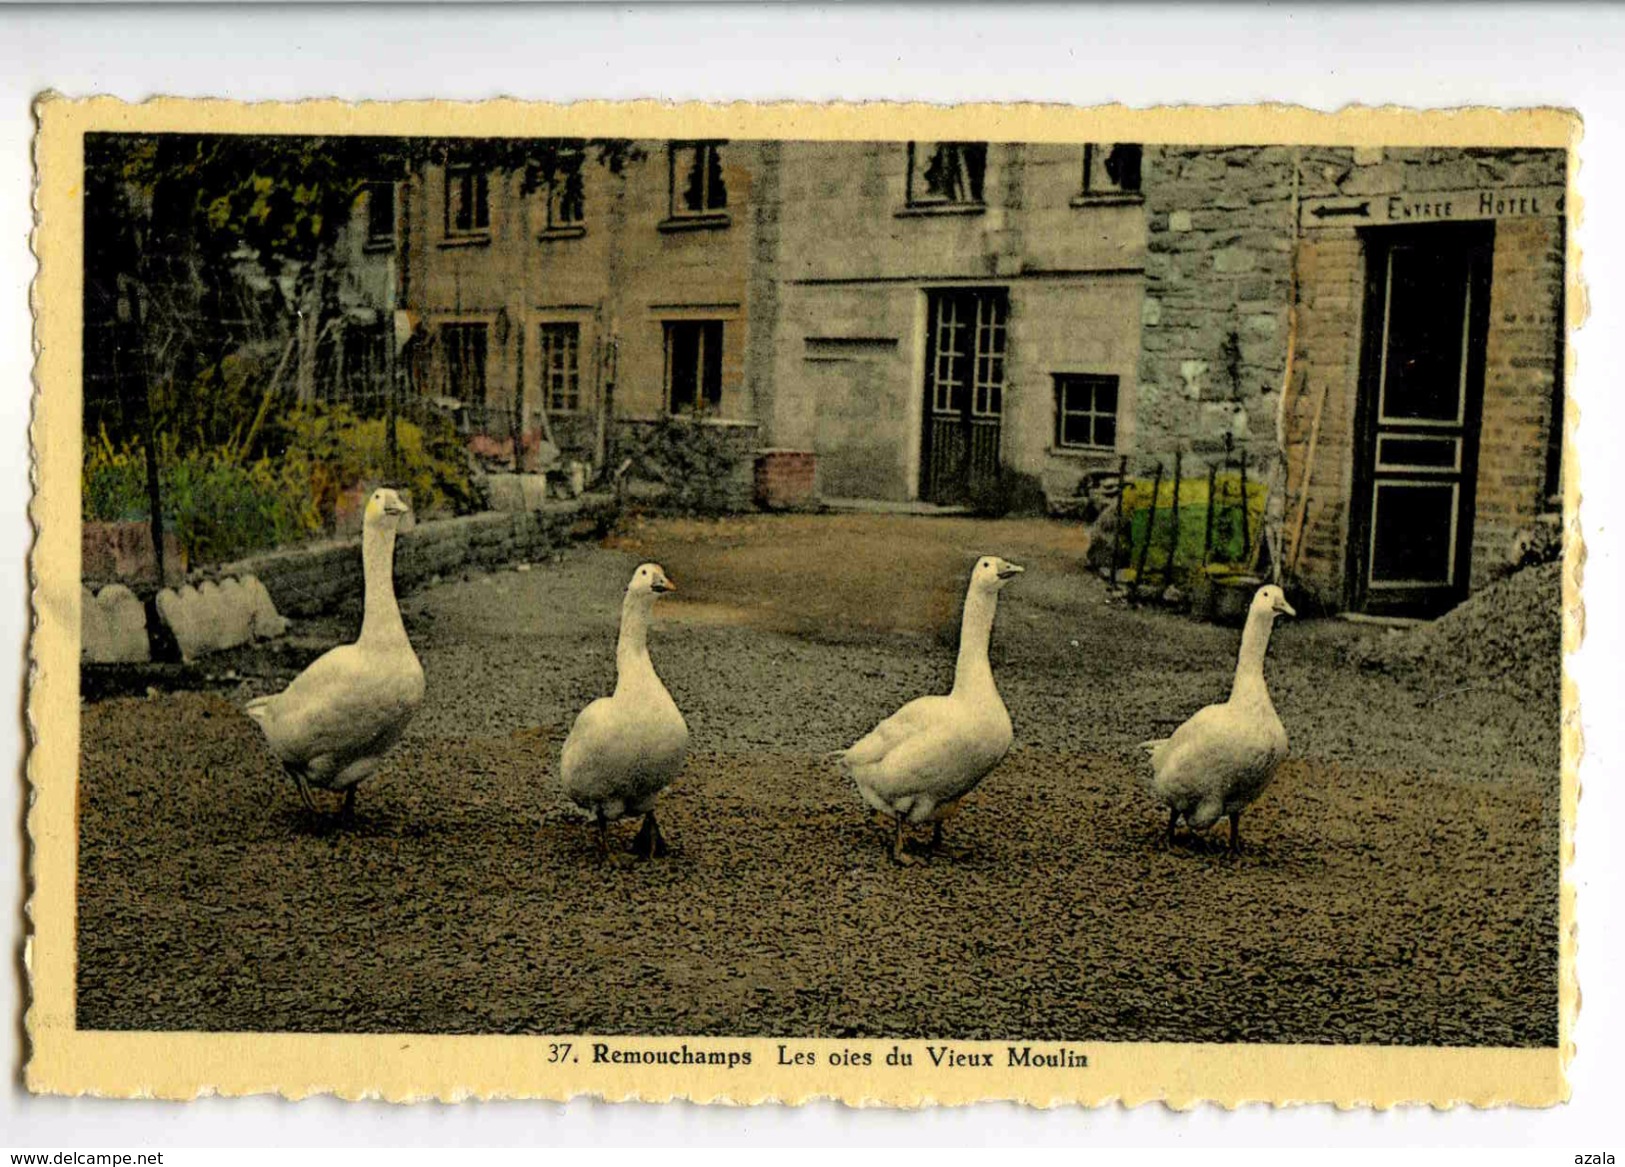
{"x":714,"y":470}
{"x":311,"y":579}
{"x":1217,"y":278}
{"x":1215,"y":323}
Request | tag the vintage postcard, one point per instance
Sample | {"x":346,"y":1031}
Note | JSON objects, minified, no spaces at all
{"x":909,"y":605}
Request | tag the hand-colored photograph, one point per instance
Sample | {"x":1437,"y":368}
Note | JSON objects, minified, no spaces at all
{"x":983,"y":591}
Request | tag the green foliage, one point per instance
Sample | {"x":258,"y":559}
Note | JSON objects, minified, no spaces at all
{"x":1229,"y":535}
{"x":221,"y":507}
{"x":344,"y":450}
{"x":697,"y":463}
{"x":218,"y":509}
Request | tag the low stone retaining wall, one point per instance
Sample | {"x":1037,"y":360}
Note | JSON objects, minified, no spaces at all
{"x":307,"y":580}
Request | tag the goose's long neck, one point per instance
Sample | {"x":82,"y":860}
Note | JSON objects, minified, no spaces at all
{"x":632,"y":649}
{"x":1255,"y":642}
{"x":381,"y":616}
{"x":975,"y":630}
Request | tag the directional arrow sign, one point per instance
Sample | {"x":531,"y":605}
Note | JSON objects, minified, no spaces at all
{"x":1337,"y":212}
{"x":1353,"y":210}
{"x":1434,"y":206}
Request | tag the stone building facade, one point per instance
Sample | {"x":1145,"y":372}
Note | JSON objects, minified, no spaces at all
{"x":582,"y":310}
{"x":1378,"y":333}
{"x":1420,"y":292}
{"x":941,"y":305}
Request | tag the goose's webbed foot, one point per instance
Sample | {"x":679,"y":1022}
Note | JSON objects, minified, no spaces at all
{"x":1235,"y":833}
{"x":347,"y":814}
{"x":899,"y":852}
{"x":650,"y":843}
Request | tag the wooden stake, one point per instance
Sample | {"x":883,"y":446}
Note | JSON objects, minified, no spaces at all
{"x":1173,"y":543}
{"x":1150,"y":528}
{"x":1207,"y":534}
{"x":1117,"y":529}
{"x":1308,"y":477}
{"x":1246,"y":516}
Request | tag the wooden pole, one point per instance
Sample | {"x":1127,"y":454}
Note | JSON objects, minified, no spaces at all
{"x":149,"y":428}
{"x":1117,"y":528}
{"x":391,"y":402}
{"x":1150,"y":528}
{"x":1173,"y":542}
{"x":1207,"y":534}
{"x":1308,"y":477}
{"x":1246,"y":517}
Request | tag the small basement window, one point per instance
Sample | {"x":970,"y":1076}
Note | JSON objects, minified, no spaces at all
{"x":1085,"y":411}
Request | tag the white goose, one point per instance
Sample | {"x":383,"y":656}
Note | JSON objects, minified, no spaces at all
{"x":1220,"y":761}
{"x":333,"y":725}
{"x":918,"y":763}
{"x":624,"y":749}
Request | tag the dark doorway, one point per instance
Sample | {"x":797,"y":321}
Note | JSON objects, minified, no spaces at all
{"x":964,"y":392}
{"x":1418,"y":418}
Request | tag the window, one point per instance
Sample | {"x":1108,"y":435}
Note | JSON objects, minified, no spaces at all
{"x":468,"y":201}
{"x":465,"y":348}
{"x":365,"y":355}
{"x":967,"y":352}
{"x":946,"y":173}
{"x":566,"y":200}
{"x":561,"y":367}
{"x":694,"y":366}
{"x":380,"y":213}
{"x":697,"y":187}
{"x":1085,"y":411}
{"x":1111,"y":168}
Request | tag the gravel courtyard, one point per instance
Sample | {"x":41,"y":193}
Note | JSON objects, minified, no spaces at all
{"x":1400,"y":883}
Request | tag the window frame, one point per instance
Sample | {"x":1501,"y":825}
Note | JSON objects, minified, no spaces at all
{"x":376,"y":240}
{"x":702,"y":151}
{"x":976,"y":185}
{"x":1061,"y":382}
{"x":1118,"y":194}
{"x":478,"y":194}
{"x":546,"y":333}
{"x":701,"y":407}
{"x":554,"y":190}
{"x":481,"y":328}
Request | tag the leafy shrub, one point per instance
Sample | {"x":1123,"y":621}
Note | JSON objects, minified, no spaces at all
{"x":221,"y":506}
{"x":1011,"y":492}
{"x":1230,"y":534}
{"x":219,"y":509}
{"x":344,"y":450}
{"x":698,"y":464}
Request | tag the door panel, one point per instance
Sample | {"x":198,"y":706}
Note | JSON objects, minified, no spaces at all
{"x":1417,"y":422}
{"x":964,"y":392}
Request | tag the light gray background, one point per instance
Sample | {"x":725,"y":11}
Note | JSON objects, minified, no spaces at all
{"x":1323,"y":56}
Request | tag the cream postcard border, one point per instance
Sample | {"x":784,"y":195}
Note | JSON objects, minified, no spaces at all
{"x":405,"y":1067}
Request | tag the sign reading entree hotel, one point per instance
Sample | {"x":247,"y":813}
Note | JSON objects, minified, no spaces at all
{"x":1436,"y":206}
